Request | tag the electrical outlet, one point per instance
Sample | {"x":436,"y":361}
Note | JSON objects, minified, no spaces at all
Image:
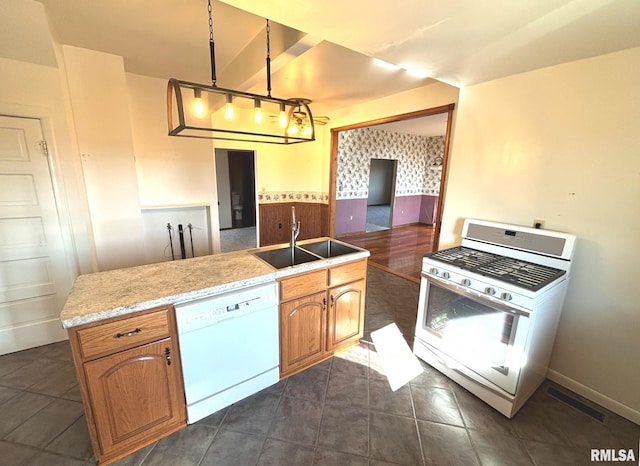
{"x":537,"y":223}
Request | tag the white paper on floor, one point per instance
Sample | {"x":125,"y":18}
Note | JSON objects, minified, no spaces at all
{"x":398,"y":361}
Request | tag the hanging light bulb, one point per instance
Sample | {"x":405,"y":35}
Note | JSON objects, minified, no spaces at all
{"x":283,"y":117}
{"x":228,"y":108}
{"x":293,"y":129}
{"x":198,"y":104}
{"x":257,"y":111}
{"x":306,"y":131}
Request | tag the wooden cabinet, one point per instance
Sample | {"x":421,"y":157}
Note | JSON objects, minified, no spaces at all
{"x":303,"y":326}
{"x":130,"y":379}
{"x":346,"y":315}
{"x":346,"y":304}
{"x":321,"y":312}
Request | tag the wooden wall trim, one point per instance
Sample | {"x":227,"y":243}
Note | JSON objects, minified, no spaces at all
{"x":275,"y":221}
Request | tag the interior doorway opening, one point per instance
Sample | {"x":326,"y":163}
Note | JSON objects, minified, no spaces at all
{"x":345,"y":189}
{"x":236,"y":189}
{"x":381,"y":194}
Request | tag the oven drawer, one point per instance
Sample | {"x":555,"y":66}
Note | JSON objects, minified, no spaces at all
{"x":122,"y":334}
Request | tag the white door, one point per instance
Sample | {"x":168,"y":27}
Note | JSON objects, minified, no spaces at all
{"x":34,"y":278}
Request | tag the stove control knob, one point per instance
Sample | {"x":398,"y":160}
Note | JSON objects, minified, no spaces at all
{"x":466,"y":282}
{"x":434,"y":271}
{"x":446,"y":275}
{"x":506,"y":296}
{"x":490,"y":290}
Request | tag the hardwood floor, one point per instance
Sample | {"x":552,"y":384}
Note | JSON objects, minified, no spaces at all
{"x":398,"y":250}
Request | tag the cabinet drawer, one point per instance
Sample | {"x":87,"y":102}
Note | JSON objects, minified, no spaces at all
{"x":126,"y":333}
{"x":302,"y":285}
{"x":347,"y":272}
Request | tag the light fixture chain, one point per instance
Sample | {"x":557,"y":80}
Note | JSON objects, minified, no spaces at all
{"x":212,"y":52}
{"x":268,"y":29}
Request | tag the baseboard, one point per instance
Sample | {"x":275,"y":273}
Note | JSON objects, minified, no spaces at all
{"x":597,"y":397}
{"x":350,"y":233}
{"x":415,"y":224}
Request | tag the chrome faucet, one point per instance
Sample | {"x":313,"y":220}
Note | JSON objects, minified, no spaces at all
{"x":295,"y":228}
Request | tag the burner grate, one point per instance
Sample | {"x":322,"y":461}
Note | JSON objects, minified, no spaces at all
{"x":462,"y":257}
{"x":506,"y":269}
{"x":521,"y":273}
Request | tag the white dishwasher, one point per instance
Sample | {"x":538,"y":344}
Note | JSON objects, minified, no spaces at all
{"x":228,"y":347}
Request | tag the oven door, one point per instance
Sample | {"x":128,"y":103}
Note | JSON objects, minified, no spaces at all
{"x":486,"y":336}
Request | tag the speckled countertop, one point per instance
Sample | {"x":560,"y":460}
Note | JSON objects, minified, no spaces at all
{"x":114,"y":293}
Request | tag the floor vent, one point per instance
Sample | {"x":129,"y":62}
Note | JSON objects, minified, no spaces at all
{"x":577,"y":404}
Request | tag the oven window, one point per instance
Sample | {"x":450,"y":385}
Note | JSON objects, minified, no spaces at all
{"x":469,"y":328}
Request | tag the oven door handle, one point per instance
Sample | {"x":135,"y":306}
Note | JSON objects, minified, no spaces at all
{"x":480,"y":297}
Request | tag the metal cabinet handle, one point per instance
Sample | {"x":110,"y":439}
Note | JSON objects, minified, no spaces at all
{"x":324,"y":304}
{"x":333,"y":300}
{"x":167,"y":355}
{"x":128,"y":334}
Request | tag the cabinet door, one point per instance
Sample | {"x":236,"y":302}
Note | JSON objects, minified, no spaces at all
{"x":302,"y":332}
{"x":346,"y":314}
{"x":135,"y":394}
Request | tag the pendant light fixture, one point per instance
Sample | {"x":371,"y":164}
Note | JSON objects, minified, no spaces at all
{"x":212,"y":112}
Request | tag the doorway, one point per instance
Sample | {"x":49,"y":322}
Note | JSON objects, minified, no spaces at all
{"x":236,"y":186}
{"x":382,"y":175}
{"x":349,"y":190}
{"x":33,"y":268}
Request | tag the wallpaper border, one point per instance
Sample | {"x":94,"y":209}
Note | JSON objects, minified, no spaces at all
{"x":274,"y":197}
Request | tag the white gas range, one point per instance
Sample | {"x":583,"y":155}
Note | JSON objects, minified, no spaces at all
{"x":489,"y":309}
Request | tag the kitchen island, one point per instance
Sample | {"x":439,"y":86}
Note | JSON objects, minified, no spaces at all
{"x":125,"y":345}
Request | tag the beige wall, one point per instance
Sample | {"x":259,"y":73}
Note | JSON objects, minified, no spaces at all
{"x":562,"y":144}
{"x":297,"y":167}
{"x":100,"y":113}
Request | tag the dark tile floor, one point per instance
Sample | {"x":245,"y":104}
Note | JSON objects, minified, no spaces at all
{"x":340,"y":412}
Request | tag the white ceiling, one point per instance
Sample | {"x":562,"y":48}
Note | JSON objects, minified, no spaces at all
{"x":172,"y":40}
{"x":325,"y":50}
{"x":464,"y":42}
